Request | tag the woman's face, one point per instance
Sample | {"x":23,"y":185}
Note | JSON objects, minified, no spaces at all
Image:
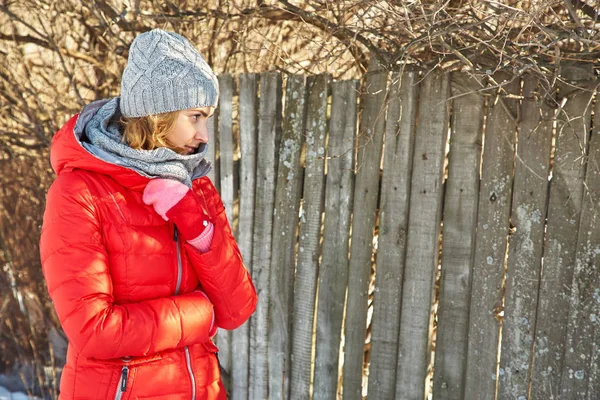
{"x":190,"y":129}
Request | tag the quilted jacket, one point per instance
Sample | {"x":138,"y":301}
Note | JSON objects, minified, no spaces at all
{"x":137,"y":303}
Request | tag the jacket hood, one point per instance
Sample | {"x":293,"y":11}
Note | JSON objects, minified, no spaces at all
{"x":68,"y":153}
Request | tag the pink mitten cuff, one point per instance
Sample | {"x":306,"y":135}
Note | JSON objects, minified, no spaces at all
{"x":163,"y":194}
{"x":175,"y":202}
{"x":202,"y":242}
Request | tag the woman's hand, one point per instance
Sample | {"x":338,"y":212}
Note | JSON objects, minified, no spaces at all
{"x":174,"y":201}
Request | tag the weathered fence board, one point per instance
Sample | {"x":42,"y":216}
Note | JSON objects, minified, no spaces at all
{"x":391,"y":247}
{"x":226,"y":88}
{"x":333,"y":272}
{"x":285,"y":226}
{"x":248,"y":86}
{"x":211,"y":155}
{"x":495,"y":193}
{"x":305,"y":284}
{"x":422,"y":246}
{"x":530,"y":192}
{"x":567,"y":180}
{"x":269,"y":127}
{"x":565,"y":198}
{"x":458,"y":247}
{"x":592,"y":298}
{"x":370,"y":138}
{"x":583,"y":311}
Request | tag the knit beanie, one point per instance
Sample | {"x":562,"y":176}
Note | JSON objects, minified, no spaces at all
{"x":165,"y":73}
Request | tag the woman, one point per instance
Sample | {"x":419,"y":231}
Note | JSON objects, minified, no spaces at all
{"x":136,"y":249}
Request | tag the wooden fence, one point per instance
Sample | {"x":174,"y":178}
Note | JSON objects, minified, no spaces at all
{"x":403,"y":230}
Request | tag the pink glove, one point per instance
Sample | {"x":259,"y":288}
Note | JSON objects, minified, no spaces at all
{"x":174,"y":201}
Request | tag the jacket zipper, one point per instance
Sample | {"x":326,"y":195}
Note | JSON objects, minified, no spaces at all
{"x":179,"y":267}
{"x":122,"y":382}
{"x":188,"y":359}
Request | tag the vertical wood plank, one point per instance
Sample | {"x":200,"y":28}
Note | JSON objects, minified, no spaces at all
{"x":269,"y":127}
{"x":226,"y":88}
{"x":391,"y":249}
{"x":211,"y":155}
{"x":495,"y":193}
{"x":458,"y":238}
{"x":590,"y":297}
{"x":371,"y":131}
{"x":422,"y":243}
{"x":285,"y":227}
{"x":566,"y":195}
{"x":567,"y":181}
{"x":248,"y":140}
{"x":579,"y":373}
{"x":530,"y":192}
{"x":305,"y":284}
{"x":333,"y":273}
{"x":223,"y":337}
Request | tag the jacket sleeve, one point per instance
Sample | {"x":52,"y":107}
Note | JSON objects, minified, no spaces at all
{"x":221,"y":270}
{"x":75,"y":266}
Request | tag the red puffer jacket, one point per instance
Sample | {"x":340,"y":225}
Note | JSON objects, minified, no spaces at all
{"x":124,"y":285}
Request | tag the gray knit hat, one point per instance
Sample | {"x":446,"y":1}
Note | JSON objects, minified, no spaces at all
{"x":165,"y":73}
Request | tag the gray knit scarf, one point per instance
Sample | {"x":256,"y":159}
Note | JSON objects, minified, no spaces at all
{"x":99,"y":121}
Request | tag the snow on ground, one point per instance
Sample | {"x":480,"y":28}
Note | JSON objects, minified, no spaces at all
{"x":5,"y":394}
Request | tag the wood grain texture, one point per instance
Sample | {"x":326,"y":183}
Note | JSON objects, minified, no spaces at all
{"x":309,"y":247}
{"x":530,"y":193}
{"x":564,"y":206}
{"x":579,"y":263}
{"x":458,"y":238}
{"x":211,"y":155}
{"x":240,"y":338}
{"x":370,"y":140}
{"x":333,"y":273}
{"x":400,"y":133}
{"x":580,"y":371}
{"x":495,"y":194}
{"x":422,"y":246}
{"x":269,"y":128}
{"x":285,"y":228}
{"x":226,"y":88}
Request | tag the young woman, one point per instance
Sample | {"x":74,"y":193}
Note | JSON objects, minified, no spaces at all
{"x":136,"y":249}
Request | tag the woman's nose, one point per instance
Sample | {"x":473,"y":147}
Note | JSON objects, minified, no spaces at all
{"x":202,"y":134}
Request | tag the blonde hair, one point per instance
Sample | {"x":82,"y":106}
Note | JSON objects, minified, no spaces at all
{"x":150,"y":132}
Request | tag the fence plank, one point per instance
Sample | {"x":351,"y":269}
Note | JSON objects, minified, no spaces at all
{"x":223,"y":337}
{"x":566,"y":195}
{"x":211,"y":155}
{"x":530,"y":193}
{"x":592,"y":298}
{"x":248,"y":138}
{"x":568,"y":176}
{"x":269,"y":127}
{"x":305,"y":284}
{"x":391,"y":248}
{"x":584,"y":313}
{"x":333,"y":273}
{"x":422,"y":246}
{"x":495,"y":194}
{"x":285,"y":226}
{"x":458,"y":247}
{"x":371,"y":131}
